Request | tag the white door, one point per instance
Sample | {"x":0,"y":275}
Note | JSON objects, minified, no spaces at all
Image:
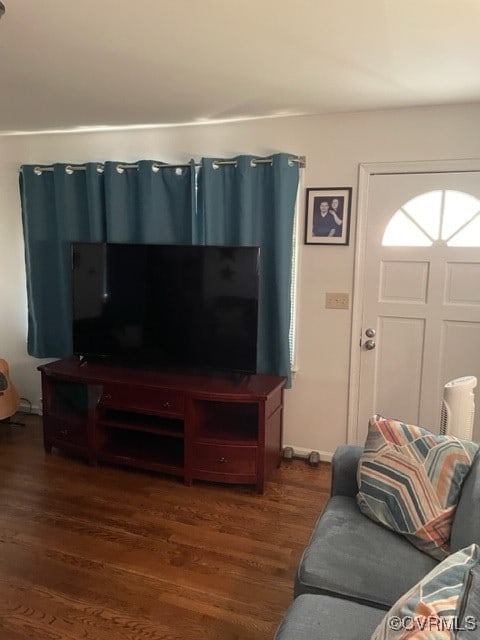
{"x":420,"y":306}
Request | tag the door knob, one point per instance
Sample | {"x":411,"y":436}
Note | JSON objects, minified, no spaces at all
{"x":369,"y":345}
{"x":370,"y":333}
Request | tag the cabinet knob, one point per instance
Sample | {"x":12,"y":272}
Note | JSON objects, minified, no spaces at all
{"x":63,"y":432}
{"x":167,"y":404}
{"x":222,"y":460}
{"x":107,"y":396}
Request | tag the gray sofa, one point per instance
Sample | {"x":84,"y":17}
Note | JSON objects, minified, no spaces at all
{"x":353,"y":570}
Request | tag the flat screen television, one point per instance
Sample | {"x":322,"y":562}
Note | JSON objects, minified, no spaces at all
{"x":166,"y":305}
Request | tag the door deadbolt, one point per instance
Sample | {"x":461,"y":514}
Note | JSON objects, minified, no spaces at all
{"x":370,"y":333}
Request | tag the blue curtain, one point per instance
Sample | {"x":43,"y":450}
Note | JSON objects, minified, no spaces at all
{"x":60,"y":206}
{"x":150,"y":204}
{"x":247,"y":201}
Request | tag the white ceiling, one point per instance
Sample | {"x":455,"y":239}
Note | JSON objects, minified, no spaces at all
{"x":66,"y":64}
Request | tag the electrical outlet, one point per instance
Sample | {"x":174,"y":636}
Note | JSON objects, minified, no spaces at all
{"x":337,"y":300}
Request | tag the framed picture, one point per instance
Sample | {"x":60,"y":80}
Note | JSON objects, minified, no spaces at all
{"x":328,"y":215}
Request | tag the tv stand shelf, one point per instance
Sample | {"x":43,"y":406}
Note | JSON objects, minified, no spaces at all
{"x":223,"y":428}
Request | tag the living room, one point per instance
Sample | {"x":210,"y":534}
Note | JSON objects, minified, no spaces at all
{"x":334,"y":141}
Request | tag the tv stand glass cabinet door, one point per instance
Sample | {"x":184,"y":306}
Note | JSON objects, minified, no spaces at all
{"x":68,"y":415}
{"x":205,"y":427}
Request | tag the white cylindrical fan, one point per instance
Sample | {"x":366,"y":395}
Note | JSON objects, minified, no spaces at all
{"x":458,"y":408}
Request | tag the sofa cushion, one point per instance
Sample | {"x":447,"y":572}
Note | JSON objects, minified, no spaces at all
{"x":315,"y":617}
{"x":432,"y":607}
{"x":410,"y":481}
{"x":352,"y":557}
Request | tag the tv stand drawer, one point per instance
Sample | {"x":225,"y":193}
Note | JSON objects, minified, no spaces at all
{"x":225,"y":459}
{"x":158,"y":401}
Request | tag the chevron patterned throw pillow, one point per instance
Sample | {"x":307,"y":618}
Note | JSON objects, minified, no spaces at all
{"x":436,"y":608}
{"x":410,"y":481}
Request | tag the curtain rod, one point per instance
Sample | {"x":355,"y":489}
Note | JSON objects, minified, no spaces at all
{"x":71,"y":168}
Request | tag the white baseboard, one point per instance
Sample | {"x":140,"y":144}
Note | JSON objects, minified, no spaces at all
{"x":26,"y":407}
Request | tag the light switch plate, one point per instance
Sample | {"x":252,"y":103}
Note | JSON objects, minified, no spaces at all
{"x":337,"y":300}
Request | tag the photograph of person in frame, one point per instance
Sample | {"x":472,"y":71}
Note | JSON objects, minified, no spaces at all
{"x":327,"y":217}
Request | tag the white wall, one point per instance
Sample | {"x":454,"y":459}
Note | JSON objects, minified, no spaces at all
{"x":316,"y":407}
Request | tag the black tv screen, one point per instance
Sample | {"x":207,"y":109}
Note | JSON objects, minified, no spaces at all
{"x":166,"y":305}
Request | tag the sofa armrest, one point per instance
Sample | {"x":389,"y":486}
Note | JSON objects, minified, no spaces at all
{"x":466,"y":522}
{"x":344,"y":470}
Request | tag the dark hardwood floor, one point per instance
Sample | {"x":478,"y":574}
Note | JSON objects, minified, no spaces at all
{"x":101,"y":553}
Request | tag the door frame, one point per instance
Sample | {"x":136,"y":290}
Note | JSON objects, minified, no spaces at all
{"x":366,"y":170}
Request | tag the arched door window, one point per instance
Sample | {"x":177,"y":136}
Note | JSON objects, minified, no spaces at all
{"x":443,"y":217}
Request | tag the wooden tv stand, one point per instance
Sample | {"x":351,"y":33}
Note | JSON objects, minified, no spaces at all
{"x":199,"y":426}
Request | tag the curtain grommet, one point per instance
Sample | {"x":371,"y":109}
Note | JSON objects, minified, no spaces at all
{"x":216,"y":164}
{"x":69,"y":170}
{"x":120,"y":169}
{"x":38,"y":171}
{"x":155,"y":168}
